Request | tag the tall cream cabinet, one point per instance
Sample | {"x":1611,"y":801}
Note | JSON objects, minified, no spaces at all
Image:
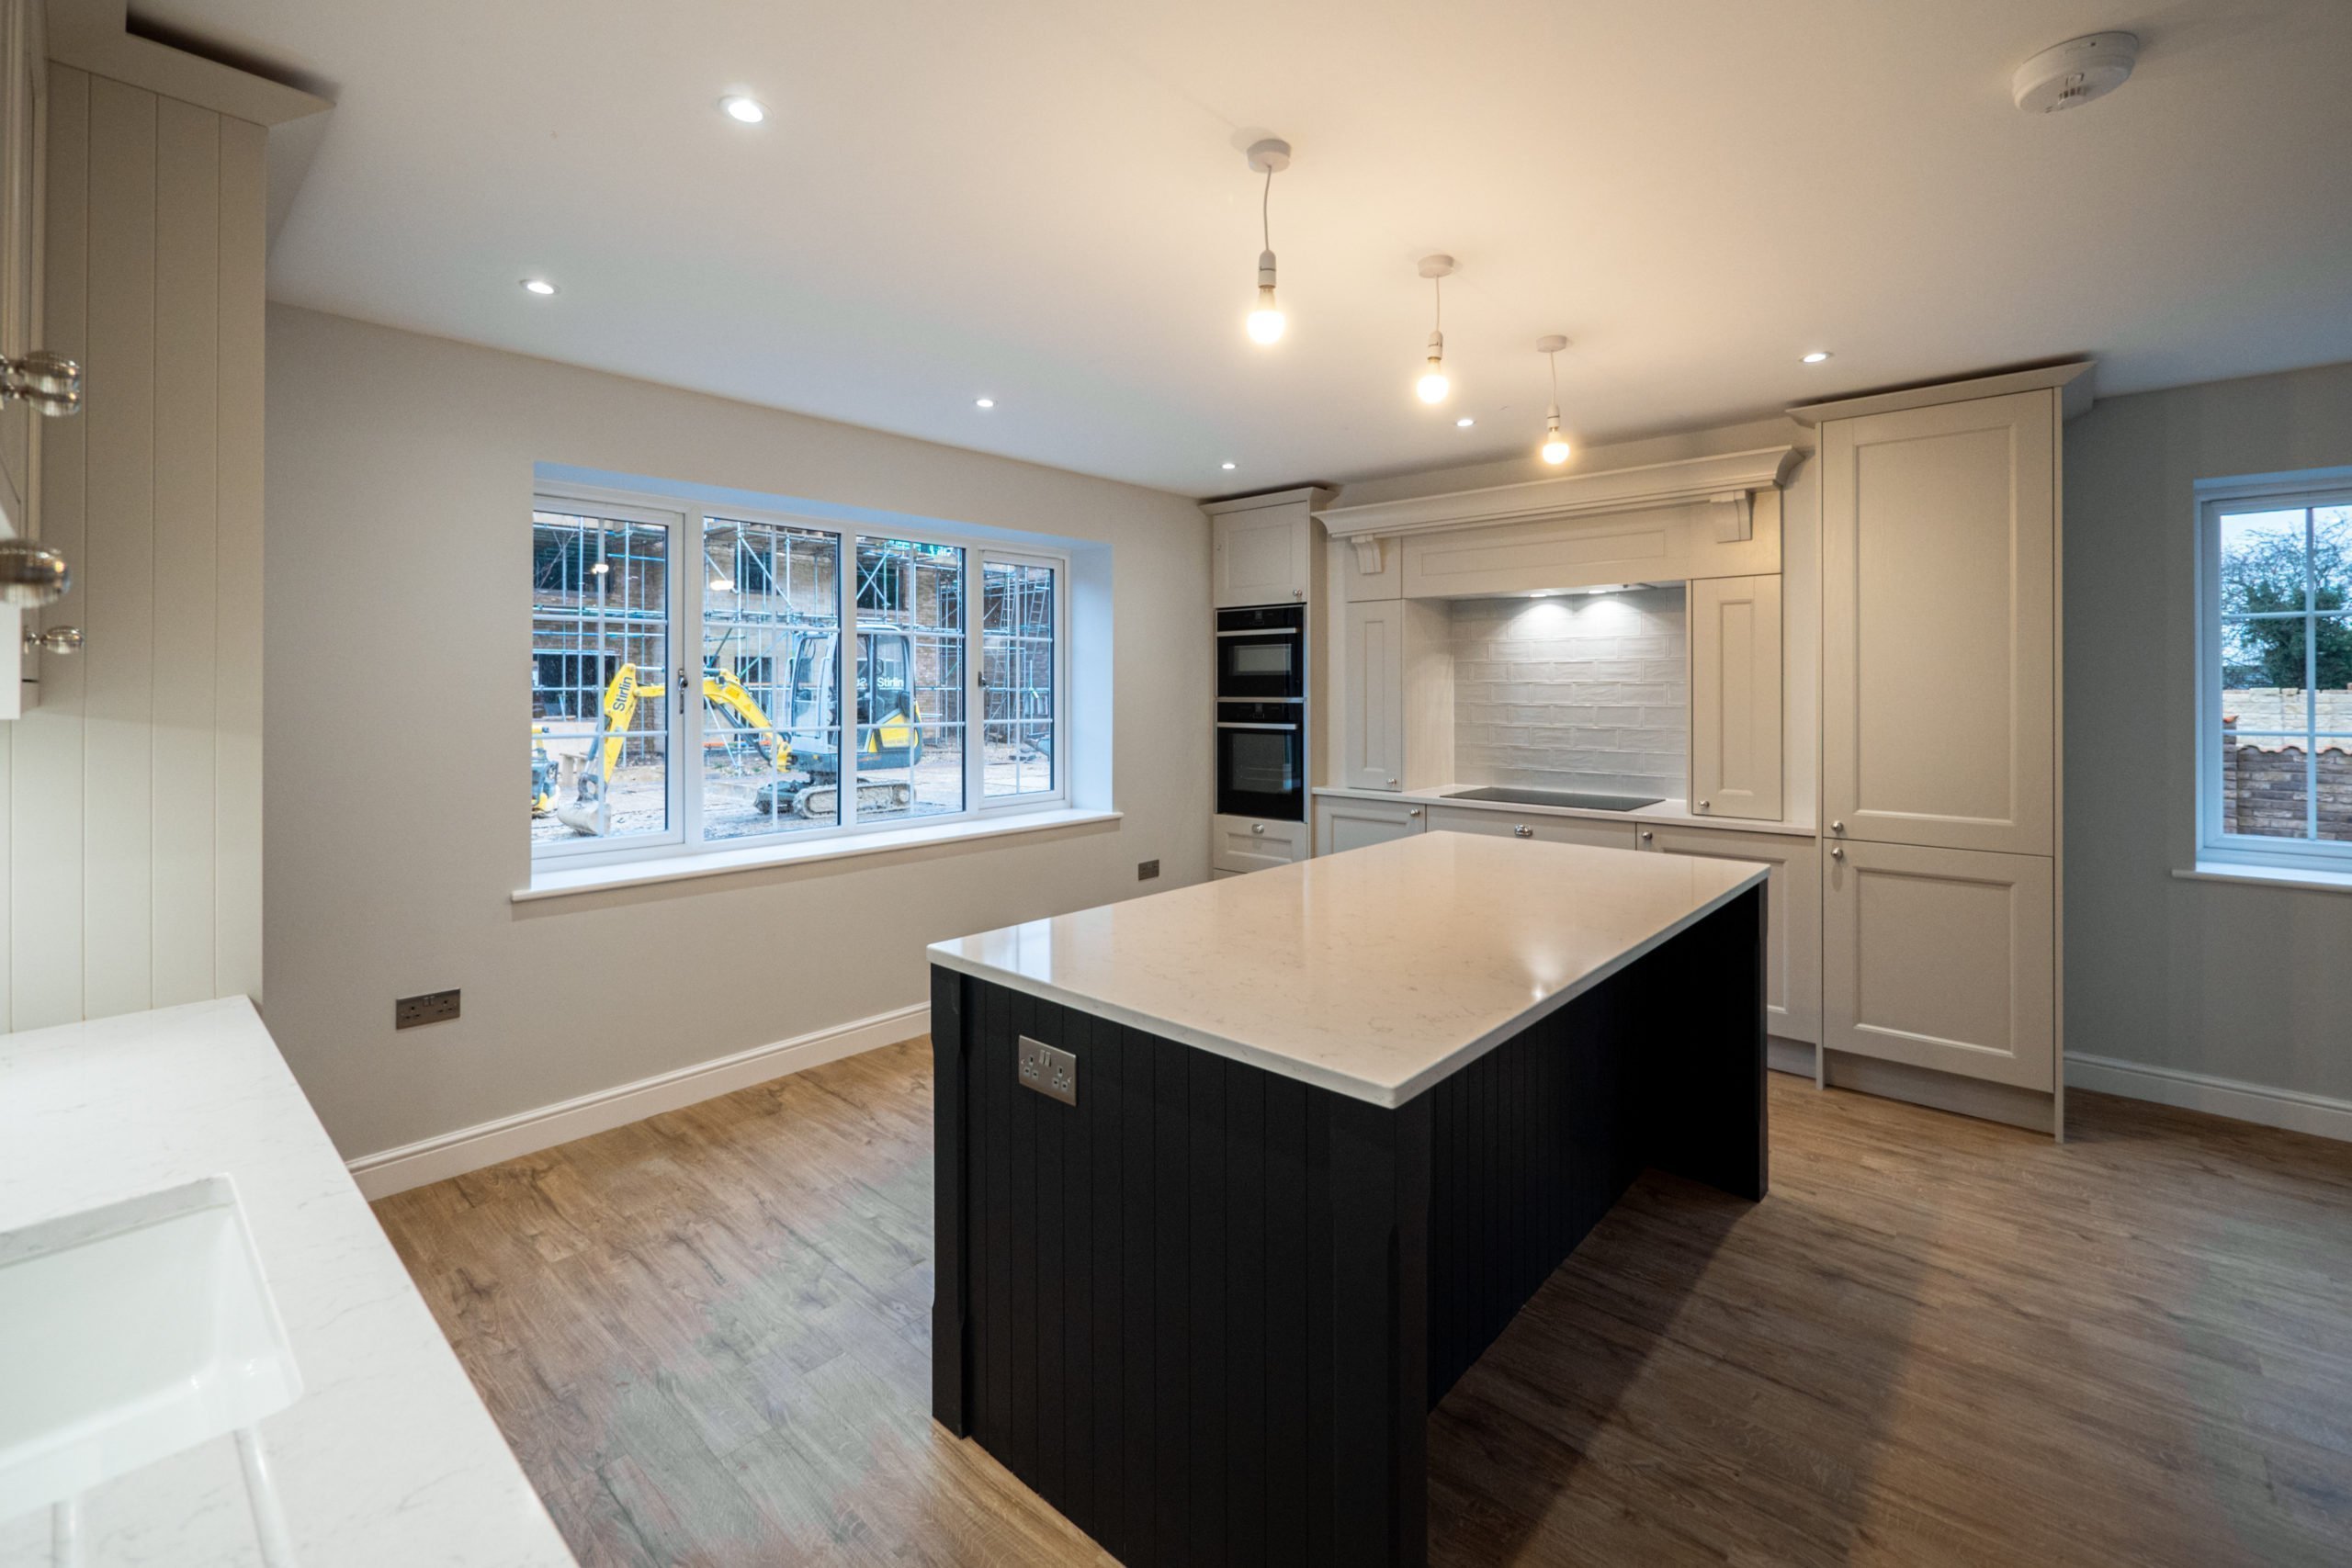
{"x":1939,"y":775}
{"x":1395,"y":724}
{"x":1736,"y":698}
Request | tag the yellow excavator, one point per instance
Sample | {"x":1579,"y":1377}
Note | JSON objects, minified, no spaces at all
{"x":807,"y":770}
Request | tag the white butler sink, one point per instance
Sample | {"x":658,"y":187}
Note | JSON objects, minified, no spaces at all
{"x":129,"y":1332}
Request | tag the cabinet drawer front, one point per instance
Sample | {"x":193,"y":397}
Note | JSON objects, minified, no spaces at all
{"x":1342,"y":825}
{"x":1939,"y":658}
{"x":1550,"y":829}
{"x":1254,"y":843}
{"x":1944,"y":959}
{"x":1793,"y":916}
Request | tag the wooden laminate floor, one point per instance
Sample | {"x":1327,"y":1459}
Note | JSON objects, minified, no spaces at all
{"x":1938,"y":1341}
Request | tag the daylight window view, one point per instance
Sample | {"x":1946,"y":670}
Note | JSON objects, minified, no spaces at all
{"x":610,"y":713}
{"x":2286,"y":651}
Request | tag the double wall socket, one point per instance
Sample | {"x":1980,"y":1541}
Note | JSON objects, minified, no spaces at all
{"x":434,"y":1007}
{"x":1051,"y":1072}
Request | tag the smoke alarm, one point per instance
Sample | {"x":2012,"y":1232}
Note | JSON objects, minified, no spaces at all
{"x":2075,"y":73}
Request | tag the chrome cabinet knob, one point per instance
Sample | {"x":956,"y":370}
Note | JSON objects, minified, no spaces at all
{"x":1524,"y":832}
{"x":1257,"y":826}
{"x":1837,"y":851}
{"x":1703,"y":805}
{"x":1836,"y":827}
{"x":1647,"y":835}
{"x":1416,"y":811}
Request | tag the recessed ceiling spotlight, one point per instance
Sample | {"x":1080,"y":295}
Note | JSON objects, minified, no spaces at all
{"x":1227,"y":466}
{"x":1816,"y":357}
{"x":1464,"y":423}
{"x":984,"y":402}
{"x":538,"y":286}
{"x":743,"y":107}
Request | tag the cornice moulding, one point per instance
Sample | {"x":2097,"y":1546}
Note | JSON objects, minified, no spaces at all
{"x":1728,"y":479}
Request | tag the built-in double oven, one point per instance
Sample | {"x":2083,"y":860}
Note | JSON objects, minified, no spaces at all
{"x":1261,"y":711}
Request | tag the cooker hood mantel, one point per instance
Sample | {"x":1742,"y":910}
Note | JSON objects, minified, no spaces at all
{"x":1729,"y":481}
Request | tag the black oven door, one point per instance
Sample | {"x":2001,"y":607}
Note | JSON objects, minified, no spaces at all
{"x":1261,"y":655}
{"x":1261,"y":761}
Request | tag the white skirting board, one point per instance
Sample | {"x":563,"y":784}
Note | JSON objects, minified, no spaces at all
{"x":2287,"y":1107}
{"x":388,"y":1171}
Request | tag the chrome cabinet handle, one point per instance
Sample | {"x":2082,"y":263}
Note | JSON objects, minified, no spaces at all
{"x":1524,"y":832}
{"x":56,"y":639}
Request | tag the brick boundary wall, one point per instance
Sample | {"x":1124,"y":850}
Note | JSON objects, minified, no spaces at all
{"x":2263,"y":792}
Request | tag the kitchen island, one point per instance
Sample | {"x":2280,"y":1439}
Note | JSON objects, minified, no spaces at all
{"x":1235,"y":1181}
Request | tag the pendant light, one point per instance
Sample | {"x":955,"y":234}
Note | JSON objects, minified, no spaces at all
{"x":1433,"y":386}
{"x":1556,"y":445}
{"x":1270,"y":157}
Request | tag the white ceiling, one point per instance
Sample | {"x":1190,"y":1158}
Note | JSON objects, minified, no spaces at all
{"x":1046,"y":201}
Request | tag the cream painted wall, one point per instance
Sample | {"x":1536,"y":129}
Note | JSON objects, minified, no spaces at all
{"x":131,"y":816}
{"x":2235,"y":982}
{"x":398,"y":487}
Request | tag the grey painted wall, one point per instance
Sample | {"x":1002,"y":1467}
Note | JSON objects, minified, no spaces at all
{"x":2247,"y":982}
{"x":398,"y":491}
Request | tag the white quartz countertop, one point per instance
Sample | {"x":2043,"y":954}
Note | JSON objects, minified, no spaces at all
{"x":1677,"y":812}
{"x":1375,"y":972}
{"x":388,"y":1456}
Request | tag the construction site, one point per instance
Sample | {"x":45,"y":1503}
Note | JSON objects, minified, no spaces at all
{"x":615,"y":710}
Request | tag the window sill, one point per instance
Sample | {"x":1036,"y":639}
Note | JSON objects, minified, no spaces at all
{"x":555,"y":882}
{"x":2267,"y":876}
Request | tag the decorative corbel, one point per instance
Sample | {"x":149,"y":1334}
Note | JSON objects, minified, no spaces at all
{"x":1734,"y":516}
{"x":1367,"y":553}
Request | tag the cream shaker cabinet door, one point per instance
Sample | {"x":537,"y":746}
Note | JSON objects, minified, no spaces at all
{"x":1262,"y":557}
{"x":1372,"y":695}
{"x":1942,"y":958}
{"x":1342,"y":824}
{"x":1791,"y":917}
{"x":1736,"y":698}
{"x":1939,"y":652}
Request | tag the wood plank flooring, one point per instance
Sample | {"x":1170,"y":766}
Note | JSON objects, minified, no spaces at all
{"x":1937,"y":1342}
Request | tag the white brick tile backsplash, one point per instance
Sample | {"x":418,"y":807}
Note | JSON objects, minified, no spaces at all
{"x":1572,"y":692}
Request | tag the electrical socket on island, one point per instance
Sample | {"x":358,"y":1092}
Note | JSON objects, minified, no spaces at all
{"x":1051,"y":1072}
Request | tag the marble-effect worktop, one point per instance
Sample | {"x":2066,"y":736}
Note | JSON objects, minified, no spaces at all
{"x":1374,"y":973}
{"x":389,"y":1458}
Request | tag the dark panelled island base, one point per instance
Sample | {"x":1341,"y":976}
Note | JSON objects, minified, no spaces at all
{"x":1205,"y":1311}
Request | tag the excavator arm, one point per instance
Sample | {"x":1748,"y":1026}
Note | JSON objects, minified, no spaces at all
{"x":722,"y":691}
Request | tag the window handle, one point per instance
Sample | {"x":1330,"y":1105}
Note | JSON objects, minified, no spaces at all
{"x":681,"y":692}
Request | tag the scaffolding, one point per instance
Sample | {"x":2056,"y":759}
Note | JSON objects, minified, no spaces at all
{"x":772,"y":604}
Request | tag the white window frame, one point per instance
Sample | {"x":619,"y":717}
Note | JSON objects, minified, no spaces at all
{"x":686,"y":588}
{"x":976,"y":764}
{"x":2318,"y":488}
{"x":684,"y":533}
